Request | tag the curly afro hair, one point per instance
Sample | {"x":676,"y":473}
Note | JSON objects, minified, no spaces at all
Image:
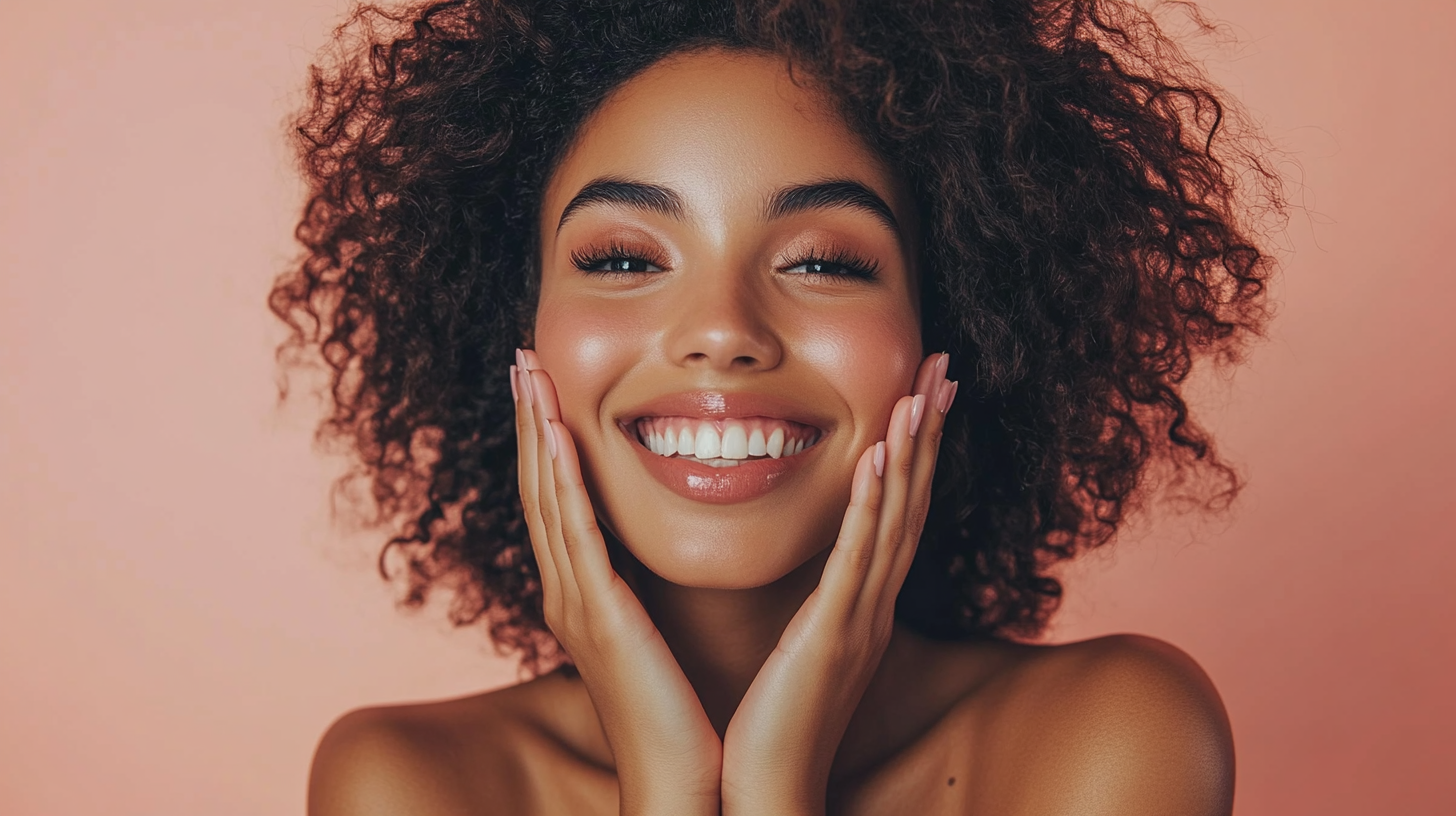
{"x":1089,"y":233}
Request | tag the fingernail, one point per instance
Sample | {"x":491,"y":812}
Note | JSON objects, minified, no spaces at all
{"x":954,"y":387}
{"x":942,"y":396}
{"x":515,"y":392}
{"x":917,"y":409}
{"x":879,"y":458}
{"x":942,"y":365}
{"x":551,"y":438}
{"x":520,"y":360}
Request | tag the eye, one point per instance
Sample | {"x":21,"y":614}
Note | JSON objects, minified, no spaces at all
{"x":833,"y":264}
{"x":615,"y":259}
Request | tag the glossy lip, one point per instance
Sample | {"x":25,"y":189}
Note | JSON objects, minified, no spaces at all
{"x":702,"y":483}
{"x":750,"y":479}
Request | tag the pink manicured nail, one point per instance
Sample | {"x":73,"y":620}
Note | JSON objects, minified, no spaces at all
{"x":879,"y":458}
{"x":942,"y":396}
{"x":551,"y":438}
{"x":515,"y":392}
{"x":917,"y":410}
{"x":941,"y":366}
{"x":520,"y":359}
{"x":949,"y":401}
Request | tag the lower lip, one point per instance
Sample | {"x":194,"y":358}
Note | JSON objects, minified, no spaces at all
{"x":726,"y":485}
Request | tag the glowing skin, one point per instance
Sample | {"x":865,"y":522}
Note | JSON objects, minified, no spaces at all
{"x":750,"y":663}
{"x":724,"y":315}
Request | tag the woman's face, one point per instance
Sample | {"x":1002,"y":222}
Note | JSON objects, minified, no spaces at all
{"x":727,"y":276}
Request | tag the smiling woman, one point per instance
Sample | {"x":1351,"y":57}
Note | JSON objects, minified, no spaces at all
{"x":712,"y":289}
{"x":759,"y":551}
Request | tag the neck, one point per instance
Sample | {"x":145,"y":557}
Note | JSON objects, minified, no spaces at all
{"x":721,"y":637}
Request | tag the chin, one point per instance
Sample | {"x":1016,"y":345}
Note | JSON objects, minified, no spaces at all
{"x":721,"y":550}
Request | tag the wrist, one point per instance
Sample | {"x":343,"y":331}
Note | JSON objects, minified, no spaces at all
{"x":666,"y":801}
{"x":771,"y":806}
{"x":761,"y":800}
{"x":663,"y":791}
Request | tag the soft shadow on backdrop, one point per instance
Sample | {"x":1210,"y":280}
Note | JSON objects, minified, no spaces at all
{"x":179,"y":622}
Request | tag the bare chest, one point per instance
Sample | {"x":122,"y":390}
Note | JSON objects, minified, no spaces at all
{"x":931,"y":776}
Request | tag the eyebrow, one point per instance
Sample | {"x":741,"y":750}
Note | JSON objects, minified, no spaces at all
{"x":634,"y":194}
{"x":798,"y":198}
{"x":831,"y":194}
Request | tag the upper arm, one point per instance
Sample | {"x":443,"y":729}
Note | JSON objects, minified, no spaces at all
{"x":1124,"y":725}
{"x":374,"y":763}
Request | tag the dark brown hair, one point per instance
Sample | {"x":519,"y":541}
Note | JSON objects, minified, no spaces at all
{"x":1088,"y":233}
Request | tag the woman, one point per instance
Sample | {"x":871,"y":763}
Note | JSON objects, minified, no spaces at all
{"x":759,"y":549}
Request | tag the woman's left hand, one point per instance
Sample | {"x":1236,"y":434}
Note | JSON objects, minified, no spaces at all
{"x":781,"y":742}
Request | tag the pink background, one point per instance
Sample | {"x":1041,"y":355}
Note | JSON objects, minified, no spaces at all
{"x":179,"y":622}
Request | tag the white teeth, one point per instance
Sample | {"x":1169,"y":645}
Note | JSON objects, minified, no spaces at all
{"x":735,"y":442}
{"x":708,"y":445}
{"x":775,"y":447}
{"x":733,"y":445}
{"x":756,"y":444}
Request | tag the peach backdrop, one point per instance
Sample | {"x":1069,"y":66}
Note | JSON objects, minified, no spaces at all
{"x":179,"y":622}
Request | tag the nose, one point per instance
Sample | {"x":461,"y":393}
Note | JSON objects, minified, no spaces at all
{"x":719,"y":321}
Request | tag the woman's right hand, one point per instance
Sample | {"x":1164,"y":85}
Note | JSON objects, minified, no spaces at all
{"x":668,"y":756}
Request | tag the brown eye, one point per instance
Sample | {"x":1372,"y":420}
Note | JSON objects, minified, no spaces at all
{"x":834,"y":264}
{"x":830,"y":269}
{"x":614,"y":260}
{"x":621,"y":265}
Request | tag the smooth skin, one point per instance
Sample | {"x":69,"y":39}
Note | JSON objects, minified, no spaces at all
{"x":746,"y":660}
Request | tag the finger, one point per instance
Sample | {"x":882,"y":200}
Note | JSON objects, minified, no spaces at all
{"x":530,"y":360}
{"x":583,"y":538}
{"x":543,"y":403}
{"x":899,"y":449}
{"x":905,"y":445}
{"x":528,"y":480}
{"x":922,"y":472}
{"x":849,"y":561}
{"x":931,"y":371}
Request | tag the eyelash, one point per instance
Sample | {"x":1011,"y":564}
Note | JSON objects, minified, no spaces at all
{"x":589,"y":257}
{"x":855,"y":266}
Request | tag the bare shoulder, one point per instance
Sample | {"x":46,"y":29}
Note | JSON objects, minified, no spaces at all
{"x":1122,"y":724}
{"x":472,"y":755}
{"x":410,"y":758}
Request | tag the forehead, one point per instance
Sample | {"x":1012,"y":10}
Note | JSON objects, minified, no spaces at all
{"x":724,"y":127}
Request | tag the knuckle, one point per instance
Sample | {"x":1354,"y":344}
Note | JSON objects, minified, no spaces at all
{"x":859,"y":558}
{"x":874,"y":501}
{"x":528,"y":502}
{"x":905,"y":466}
{"x":919,"y":510}
{"x":937,"y":430}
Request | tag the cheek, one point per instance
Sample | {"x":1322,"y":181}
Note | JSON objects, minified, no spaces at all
{"x":586,"y":346}
{"x":871,"y":359}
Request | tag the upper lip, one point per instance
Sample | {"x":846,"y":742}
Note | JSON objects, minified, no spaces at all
{"x":726,"y":405}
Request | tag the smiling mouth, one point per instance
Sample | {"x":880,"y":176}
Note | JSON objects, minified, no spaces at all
{"x":722,"y":443}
